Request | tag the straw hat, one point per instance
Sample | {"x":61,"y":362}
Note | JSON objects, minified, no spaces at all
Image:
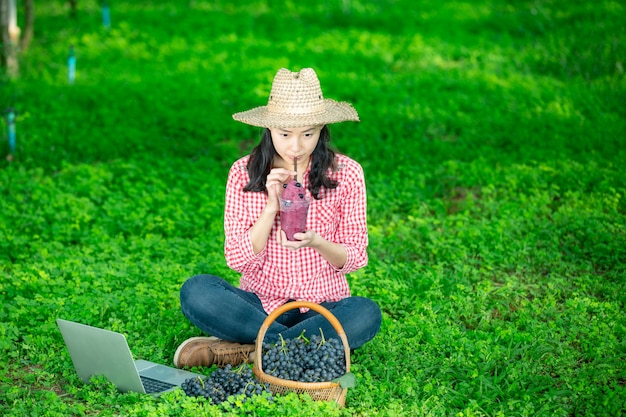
{"x":296,"y":100}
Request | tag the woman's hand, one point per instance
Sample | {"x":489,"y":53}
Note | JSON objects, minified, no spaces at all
{"x":303,"y":240}
{"x":262,"y":227}
{"x":274,"y":185}
{"x":334,"y":253}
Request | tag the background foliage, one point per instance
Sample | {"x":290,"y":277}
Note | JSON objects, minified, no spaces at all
{"x":493,"y":139}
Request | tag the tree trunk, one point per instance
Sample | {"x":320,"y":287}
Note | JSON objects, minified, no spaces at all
{"x":73,"y":8}
{"x":29,"y":24}
{"x":4,"y":27}
{"x":10,"y":37}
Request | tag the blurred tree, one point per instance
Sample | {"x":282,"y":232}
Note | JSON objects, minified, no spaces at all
{"x":12,"y":43}
{"x":29,"y":24}
{"x":73,"y":8}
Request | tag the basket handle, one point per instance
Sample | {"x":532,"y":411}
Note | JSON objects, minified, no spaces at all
{"x":291,"y":306}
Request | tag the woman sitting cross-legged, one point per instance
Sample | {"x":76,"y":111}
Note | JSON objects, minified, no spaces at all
{"x":277,"y":265}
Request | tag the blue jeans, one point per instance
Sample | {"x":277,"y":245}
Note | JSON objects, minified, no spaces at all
{"x":227,"y":312}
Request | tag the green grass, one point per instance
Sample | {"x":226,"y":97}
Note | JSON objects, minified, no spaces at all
{"x":493,"y":139}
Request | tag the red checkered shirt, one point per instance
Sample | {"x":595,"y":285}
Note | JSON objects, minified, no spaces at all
{"x":278,"y":274}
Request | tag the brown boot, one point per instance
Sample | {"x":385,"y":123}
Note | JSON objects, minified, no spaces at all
{"x":206,"y":351}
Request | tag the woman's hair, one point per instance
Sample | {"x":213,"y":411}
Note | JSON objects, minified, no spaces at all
{"x":322,"y":158}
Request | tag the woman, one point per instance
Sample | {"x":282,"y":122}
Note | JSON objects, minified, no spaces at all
{"x":275,"y":270}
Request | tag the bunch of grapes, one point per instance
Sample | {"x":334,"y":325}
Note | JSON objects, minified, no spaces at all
{"x":224,"y":382}
{"x":306,"y":360}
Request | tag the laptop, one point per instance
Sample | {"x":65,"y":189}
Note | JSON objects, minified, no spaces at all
{"x":97,"y":351}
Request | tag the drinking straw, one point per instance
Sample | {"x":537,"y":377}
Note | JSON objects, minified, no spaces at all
{"x":295,"y":167}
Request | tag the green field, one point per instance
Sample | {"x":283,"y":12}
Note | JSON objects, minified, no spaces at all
{"x":493,"y":139}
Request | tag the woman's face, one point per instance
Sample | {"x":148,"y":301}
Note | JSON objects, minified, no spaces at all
{"x":294,"y":143}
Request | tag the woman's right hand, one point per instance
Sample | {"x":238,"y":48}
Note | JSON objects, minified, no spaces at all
{"x":262,"y":227}
{"x":274,"y":185}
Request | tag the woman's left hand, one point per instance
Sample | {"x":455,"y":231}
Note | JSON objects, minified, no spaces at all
{"x":304,"y":240}
{"x":334,"y":253}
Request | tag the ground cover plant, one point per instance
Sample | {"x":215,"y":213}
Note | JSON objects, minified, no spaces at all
{"x":493,"y":139}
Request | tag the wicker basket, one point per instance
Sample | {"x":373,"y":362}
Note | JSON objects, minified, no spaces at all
{"x":319,"y":391}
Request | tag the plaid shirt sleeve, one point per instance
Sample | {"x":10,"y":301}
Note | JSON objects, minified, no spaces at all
{"x":351,"y":229}
{"x":277,"y":274}
{"x":239,"y":217}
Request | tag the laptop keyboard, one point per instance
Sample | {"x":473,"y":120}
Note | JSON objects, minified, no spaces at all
{"x":154,"y":385}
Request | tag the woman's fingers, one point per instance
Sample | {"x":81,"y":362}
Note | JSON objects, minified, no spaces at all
{"x":302,"y":239}
{"x":275,"y":180}
{"x":274,"y":184}
{"x":279,"y":175}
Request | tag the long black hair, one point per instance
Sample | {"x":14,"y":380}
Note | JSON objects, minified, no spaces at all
{"x":322,"y":158}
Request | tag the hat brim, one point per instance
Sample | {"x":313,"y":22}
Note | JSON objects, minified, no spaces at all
{"x":334,"y":112}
